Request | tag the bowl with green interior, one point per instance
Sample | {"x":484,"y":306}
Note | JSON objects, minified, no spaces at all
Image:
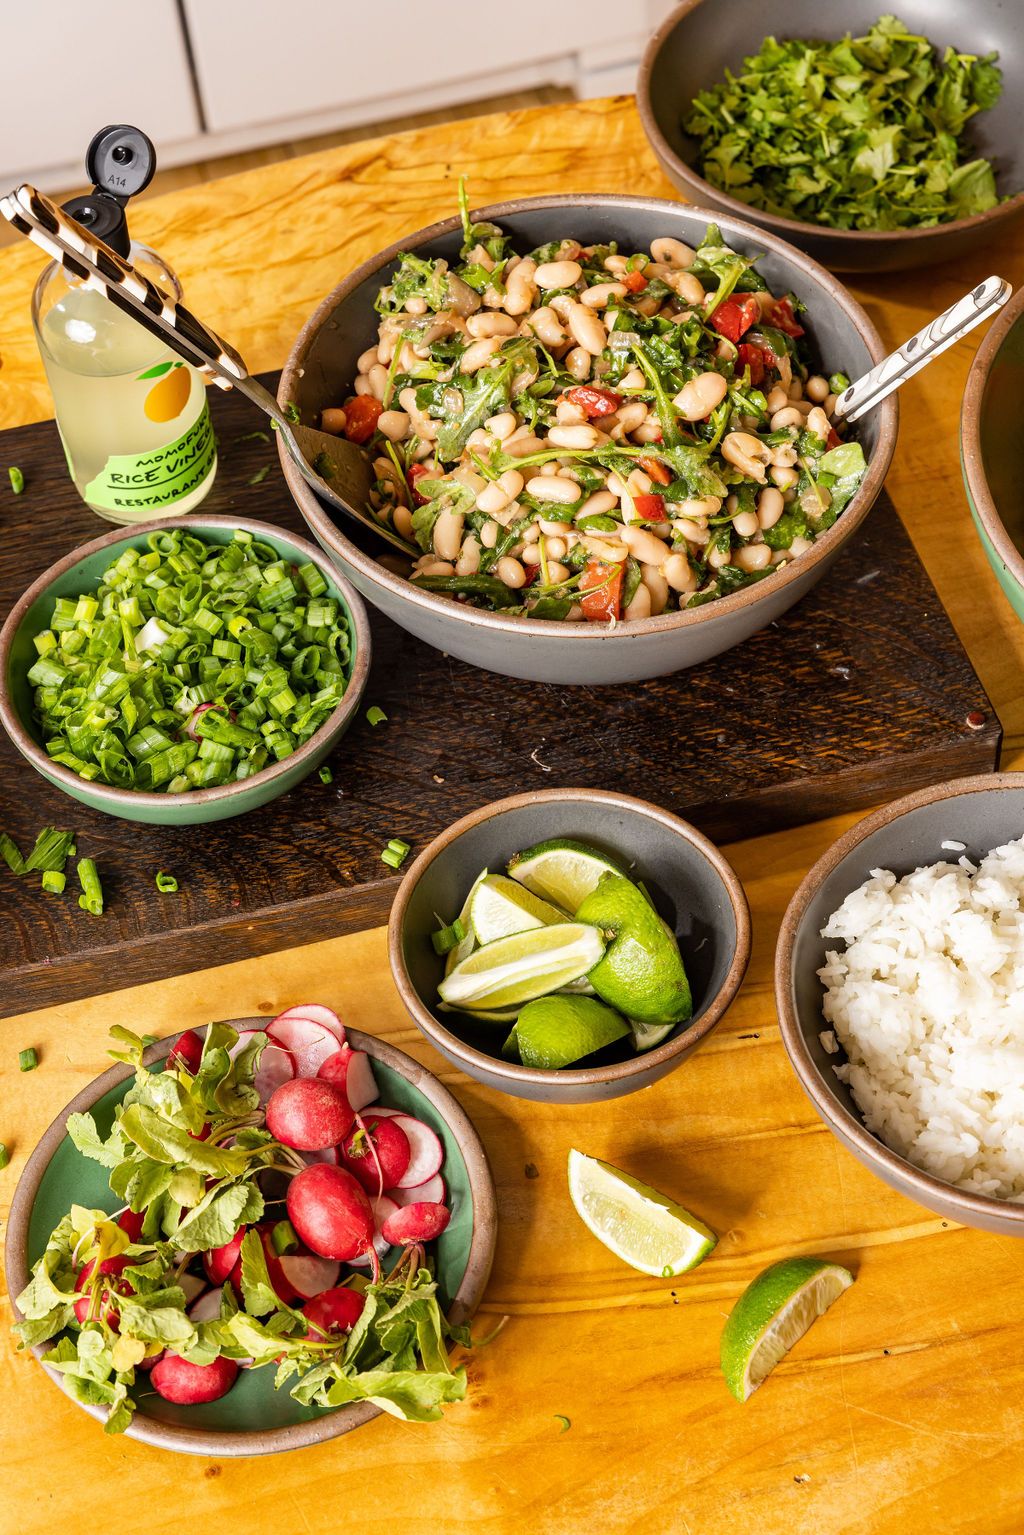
{"x":254,"y":1418}
{"x":651,"y":859}
{"x":990,"y":426}
{"x":895,"y":982}
{"x":658,"y":525}
{"x":871,"y":159}
{"x":196,"y":689}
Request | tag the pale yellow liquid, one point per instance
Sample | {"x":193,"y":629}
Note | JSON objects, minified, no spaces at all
{"x":93,"y":355}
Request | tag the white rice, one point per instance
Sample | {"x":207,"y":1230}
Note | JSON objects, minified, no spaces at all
{"x":927,"y":999}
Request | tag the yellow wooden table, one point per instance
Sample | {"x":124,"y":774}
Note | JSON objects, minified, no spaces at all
{"x":901,"y":1410}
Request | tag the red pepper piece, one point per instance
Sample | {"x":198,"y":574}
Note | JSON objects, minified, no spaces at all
{"x":593,"y":402}
{"x":417,"y":472}
{"x":650,"y":508}
{"x":656,"y":469}
{"x":361,"y":415}
{"x":735,"y":316}
{"x":833,"y":440}
{"x":636,"y":282}
{"x":752,"y":357}
{"x":601,"y":590}
{"x":783,"y":318}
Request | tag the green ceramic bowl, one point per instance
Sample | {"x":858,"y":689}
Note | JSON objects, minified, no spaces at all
{"x":80,"y":571}
{"x":991,"y":422}
{"x":254,"y":1419}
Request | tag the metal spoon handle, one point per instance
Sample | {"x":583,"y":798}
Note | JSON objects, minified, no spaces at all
{"x":874,"y":386}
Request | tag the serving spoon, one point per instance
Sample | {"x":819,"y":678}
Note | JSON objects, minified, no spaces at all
{"x":337,"y":469}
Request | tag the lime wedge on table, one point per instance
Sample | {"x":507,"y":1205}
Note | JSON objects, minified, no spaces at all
{"x":464,"y":948}
{"x":555,"y":1031}
{"x":500,"y":907}
{"x":773,"y":1313}
{"x":642,"y":1227}
{"x":642,"y":971}
{"x":561,"y":870}
{"x":523,"y":966}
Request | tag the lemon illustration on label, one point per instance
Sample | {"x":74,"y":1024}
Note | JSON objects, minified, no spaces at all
{"x":169,"y":395}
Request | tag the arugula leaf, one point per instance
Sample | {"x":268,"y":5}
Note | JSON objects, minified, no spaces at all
{"x":489,"y":588}
{"x":864,"y":133}
{"x":484,"y":394}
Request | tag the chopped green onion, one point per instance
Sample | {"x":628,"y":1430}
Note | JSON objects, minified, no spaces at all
{"x":51,"y":849}
{"x":5,"y":1156}
{"x":326,"y":776}
{"x":395,"y":854}
{"x":375,"y":715}
{"x":260,"y":475}
{"x":91,"y":899}
{"x":185,"y":646}
{"x":166,"y":883}
{"x":54,"y":881}
{"x":564,"y":1421}
{"x":28,"y":1060}
{"x":291,"y":411}
{"x":17,"y":479}
{"x":445,"y":939}
{"x":283,"y":1238}
{"x":838,"y":382}
{"x":254,"y":437}
{"x":11,"y":854}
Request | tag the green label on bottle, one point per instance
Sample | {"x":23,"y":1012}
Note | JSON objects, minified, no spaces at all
{"x":134,"y":483}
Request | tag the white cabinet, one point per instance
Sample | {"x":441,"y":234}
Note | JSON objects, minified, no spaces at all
{"x":69,"y":69}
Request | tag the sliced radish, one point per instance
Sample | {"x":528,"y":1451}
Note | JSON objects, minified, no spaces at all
{"x":420,"y":1222}
{"x":276,"y":1066}
{"x":360,"y":1083}
{"x":193,"y":1286}
{"x":329,"y":1155}
{"x":383,"y":1113}
{"x":432,"y":1192}
{"x":315,"y":1012}
{"x":308,"y":1043}
{"x":427,"y":1152}
{"x":309,"y":1275}
{"x":244,"y":1036}
{"x":383,"y":1208}
{"x":207,"y":1307}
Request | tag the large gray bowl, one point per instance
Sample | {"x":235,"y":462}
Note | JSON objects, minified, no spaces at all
{"x":693,"y":886}
{"x":322,"y":366}
{"x":981,"y":812}
{"x":697,"y":43}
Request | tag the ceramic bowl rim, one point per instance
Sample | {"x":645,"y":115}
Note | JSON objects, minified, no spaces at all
{"x":923,"y":1186}
{"x":104,"y":796}
{"x":697,"y":186}
{"x":341,"y":1420}
{"x":334,"y":539}
{"x":474,"y":1060}
{"x":972,"y":458}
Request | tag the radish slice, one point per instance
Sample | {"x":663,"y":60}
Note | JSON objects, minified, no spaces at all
{"x":432,"y":1192}
{"x":383,"y":1113}
{"x":427,"y":1152}
{"x":309,"y":1043}
{"x":330,"y":1154}
{"x":276,"y":1066}
{"x":207,"y":1307}
{"x":360,"y":1083}
{"x":308,"y":1274}
{"x":240,"y":1043}
{"x":383,"y":1208}
{"x":193,"y":1286}
{"x":315,"y":1012}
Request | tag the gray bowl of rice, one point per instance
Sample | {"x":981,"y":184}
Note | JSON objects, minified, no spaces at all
{"x":899,"y":979}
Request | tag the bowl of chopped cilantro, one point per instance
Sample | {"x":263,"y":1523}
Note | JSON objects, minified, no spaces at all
{"x":605,"y":427}
{"x":872,"y":141}
{"x":990,"y":429}
{"x":186,"y":671}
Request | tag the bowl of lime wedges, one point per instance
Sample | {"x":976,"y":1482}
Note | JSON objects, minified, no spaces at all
{"x":569,"y":946}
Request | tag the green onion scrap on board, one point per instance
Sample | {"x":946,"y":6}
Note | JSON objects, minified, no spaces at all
{"x":17,"y":479}
{"x":190,"y":666}
{"x":395,"y":854}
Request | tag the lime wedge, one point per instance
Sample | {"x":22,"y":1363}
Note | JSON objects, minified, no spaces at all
{"x":464,"y":948}
{"x":561,"y":870}
{"x":510,"y":1049}
{"x":523,"y":966}
{"x":642,"y":1227}
{"x":500,"y":907}
{"x":642,"y":972}
{"x":485,"y":1015}
{"x":773,"y":1313}
{"x":647,"y":1035}
{"x":555,"y":1031}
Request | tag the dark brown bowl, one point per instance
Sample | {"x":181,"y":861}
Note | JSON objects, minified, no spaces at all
{"x":701,"y":39}
{"x":694,"y":887}
{"x":983,"y":813}
{"x":990,"y":430}
{"x":252,"y":1419}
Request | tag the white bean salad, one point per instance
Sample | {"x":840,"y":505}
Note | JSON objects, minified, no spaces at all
{"x":581,"y":434}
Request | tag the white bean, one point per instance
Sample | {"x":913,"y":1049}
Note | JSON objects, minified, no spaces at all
{"x":700,"y":396}
{"x":648,"y":431}
{"x":332,"y":420}
{"x":416,"y":305}
{"x":800,"y":546}
{"x":367,"y":360}
{"x":587,"y":330}
{"x":616,"y":263}
{"x":746,"y":524}
{"x":511,"y":572}
{"x":530,"y":554}
{"x":753,"y":557}
{"x":557,"y":572}
{"x":818,"y":423}
{"x":377,"y":377}
{"x":568,"y":414}
{"x":435,"y":568}
{"x":644,"y":546}
{"x":448,"y":535}
{"x":511,"y":482}
{"x":489,"y":534}
{"x":574,"y":436}
{"x":578,"y":363}
{"x":484,"y":325}
{"x":770,"y":507}
{"x":784,"y":477}
{"x":401,"y":517}
{"x":679,"y":573}
{"x":693,"y":532}
{"x":522,"y":447}
{"x":746,"y":452}
{"x":719,"y":557}
{"x":672,"y":252}
{"x":830,"y":405}
{"x":502,"y":425}
{"x":602,"y":293}
{"x":784,"y":455}
{"x":634,"y":379}
{"x":817,"y":388}
{"x":777,"y":399}
{"x":553,"y":487}
{"x":598,"y":505}
{"x":520,"y":287}
{"x":700,"y":506}
{"x":790,"y":416}
{"x":394,"y":424}
{"x":554,"y":548}
{"x":639,"y":605}
{"x":468,"y":562}
{"x":558,"y":274}
{"x":493,"y":499}
{"x":479,"y":352}
{"x":362,"y":385}
{"x":656,"y":584}
{"x":629,"y":417}
{"x":545,"y":324}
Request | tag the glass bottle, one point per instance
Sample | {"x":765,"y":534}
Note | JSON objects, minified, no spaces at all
{"x":132,"y":415}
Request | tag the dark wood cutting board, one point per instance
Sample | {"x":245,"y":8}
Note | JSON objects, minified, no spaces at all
{"x":860,"y":693}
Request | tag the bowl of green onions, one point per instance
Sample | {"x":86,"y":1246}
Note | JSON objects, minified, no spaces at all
{"x":185,"y":671}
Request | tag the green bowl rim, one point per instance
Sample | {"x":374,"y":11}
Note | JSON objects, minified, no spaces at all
{"x":698,"y":187}
{"x":105,"y":796}
{"x":341,"y":1420}
{"x":971,"y":456}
